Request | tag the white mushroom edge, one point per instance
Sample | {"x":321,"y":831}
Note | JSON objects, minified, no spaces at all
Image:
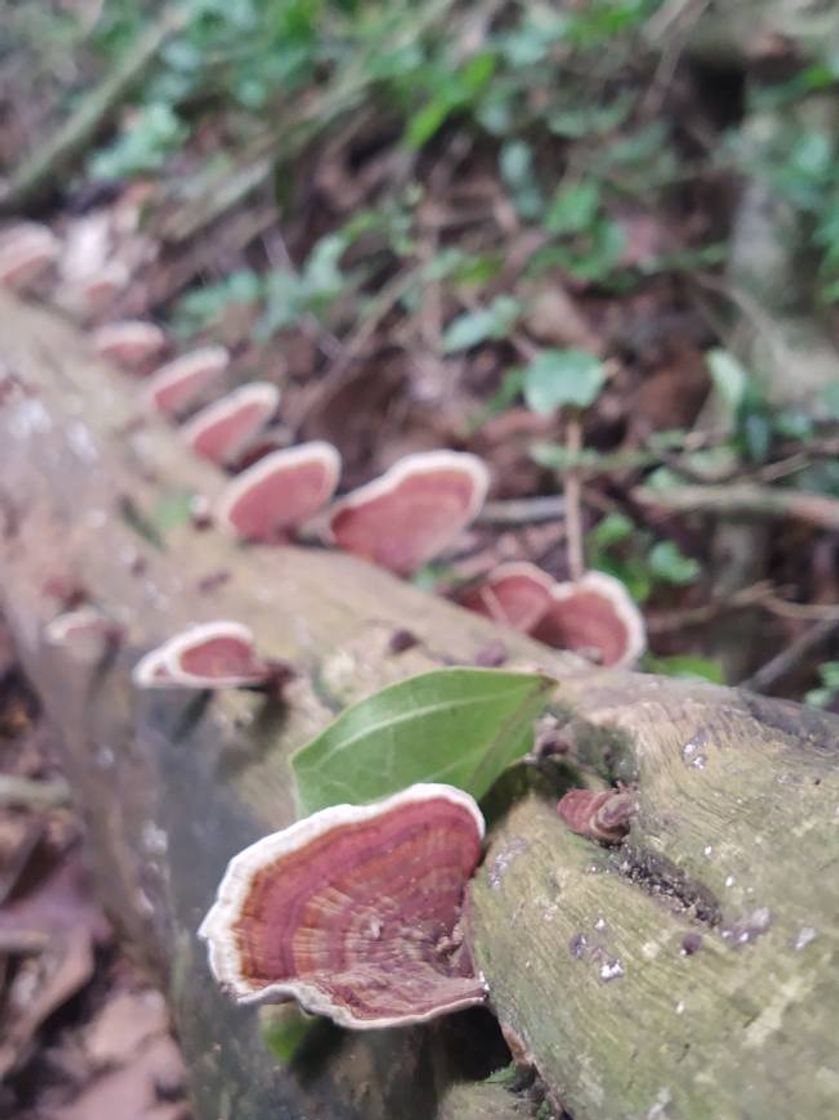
{"x":236,"y":884}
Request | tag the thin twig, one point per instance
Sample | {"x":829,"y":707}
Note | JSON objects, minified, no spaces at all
{"x":573,"y":492}
{"x":814,"y":612}
{"x":792,"y":656}
{"x":523,"y":511}
{"x":745,"y":500}
{"x":667,"y":622}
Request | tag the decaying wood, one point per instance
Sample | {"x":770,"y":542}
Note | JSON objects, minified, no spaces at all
{"x":688,"y":973}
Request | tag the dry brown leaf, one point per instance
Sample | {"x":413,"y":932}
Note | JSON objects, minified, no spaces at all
{"x":40,"y":986}
{"x":134,"y":1091}
{"x":124,"y":1025}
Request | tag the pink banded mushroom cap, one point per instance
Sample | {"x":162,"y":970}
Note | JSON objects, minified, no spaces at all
{"x":221,"y":431}
{"x":131,"y":343}
{"x":181,"y":383}
{"x":516,"y":594}
{"x":26,"y":251}
{"x":354,"y":911}
{"x":210,"y":655}
{"x":86,"y":629}
{"x":595,"y":617}
{"x":280,"y":492}
{"x":413,"y":512}
{"x":90,"y":294}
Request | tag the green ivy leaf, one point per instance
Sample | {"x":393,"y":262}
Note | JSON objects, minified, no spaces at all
{"x":573,"y":208}
{"x":730,"y":380}
{"x":559,"y":378}
{"x":461,"y":726}
{"x":611,"y":530}
{"x":670,"y":565}
{"x":495,"y":321}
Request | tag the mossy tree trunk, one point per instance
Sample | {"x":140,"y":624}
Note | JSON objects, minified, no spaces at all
{"x":736,"y":839}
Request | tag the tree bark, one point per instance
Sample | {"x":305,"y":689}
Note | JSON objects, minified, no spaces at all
{"x":584,"y":948}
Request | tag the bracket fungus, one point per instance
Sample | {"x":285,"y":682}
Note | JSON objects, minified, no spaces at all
{"x":86,"y":630}
{"x":413,"y":512}
{"x":177,"y":386}
{"x":280,"y":492}
{"x":603,"y":815}
{"x":355,"y":912}
{"x":26,"y":252}
{"x":516,"y":594}
{"x":210,"y":655}
{"x":82,"y":622}
{"x":132,"y":343}
{"x":596,"y":617}
{"x":89,"y":295}
{"x":221,"y":431}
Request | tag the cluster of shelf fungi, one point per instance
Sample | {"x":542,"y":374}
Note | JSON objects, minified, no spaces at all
{"x":409,"y":962}
{"x":724,"y":1045}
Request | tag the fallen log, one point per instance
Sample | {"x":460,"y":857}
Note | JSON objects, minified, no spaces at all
{"x":689,"y":972}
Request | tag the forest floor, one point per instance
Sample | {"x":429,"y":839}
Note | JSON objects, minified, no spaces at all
{"x":85,"y":1033}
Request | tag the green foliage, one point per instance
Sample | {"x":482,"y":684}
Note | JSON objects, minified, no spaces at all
{"x":688,"y":665}
{"x":826,"y":693}
{"x":279,"y":298}
{"x":201,"y":307}
{"x":173,"y":510}
{"x":574,"y":208}
{"x":508,"y":1076}
{"x":541,"y":91}
{"x":668,"y":564}
{"x":460,"y":726}
{"x":800,"y":167}
{"x":456,"y":91}
{"x":617,"y":546}
{"x":155,"y":133}
{"x":284,"y":1029}
{"x":753,"y":422}
{"x":472,"y":327}
{"x":562,"y":379}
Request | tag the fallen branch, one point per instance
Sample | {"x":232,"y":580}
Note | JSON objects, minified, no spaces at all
{"x":744,"y":500}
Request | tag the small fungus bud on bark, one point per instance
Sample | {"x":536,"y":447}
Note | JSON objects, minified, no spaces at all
{"x":603,"y":815}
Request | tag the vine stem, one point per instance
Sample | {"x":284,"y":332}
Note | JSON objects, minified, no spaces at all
{"x":573,"y":492}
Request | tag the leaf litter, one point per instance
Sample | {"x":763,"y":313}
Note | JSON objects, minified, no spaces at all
{"x":84,"y":1035}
